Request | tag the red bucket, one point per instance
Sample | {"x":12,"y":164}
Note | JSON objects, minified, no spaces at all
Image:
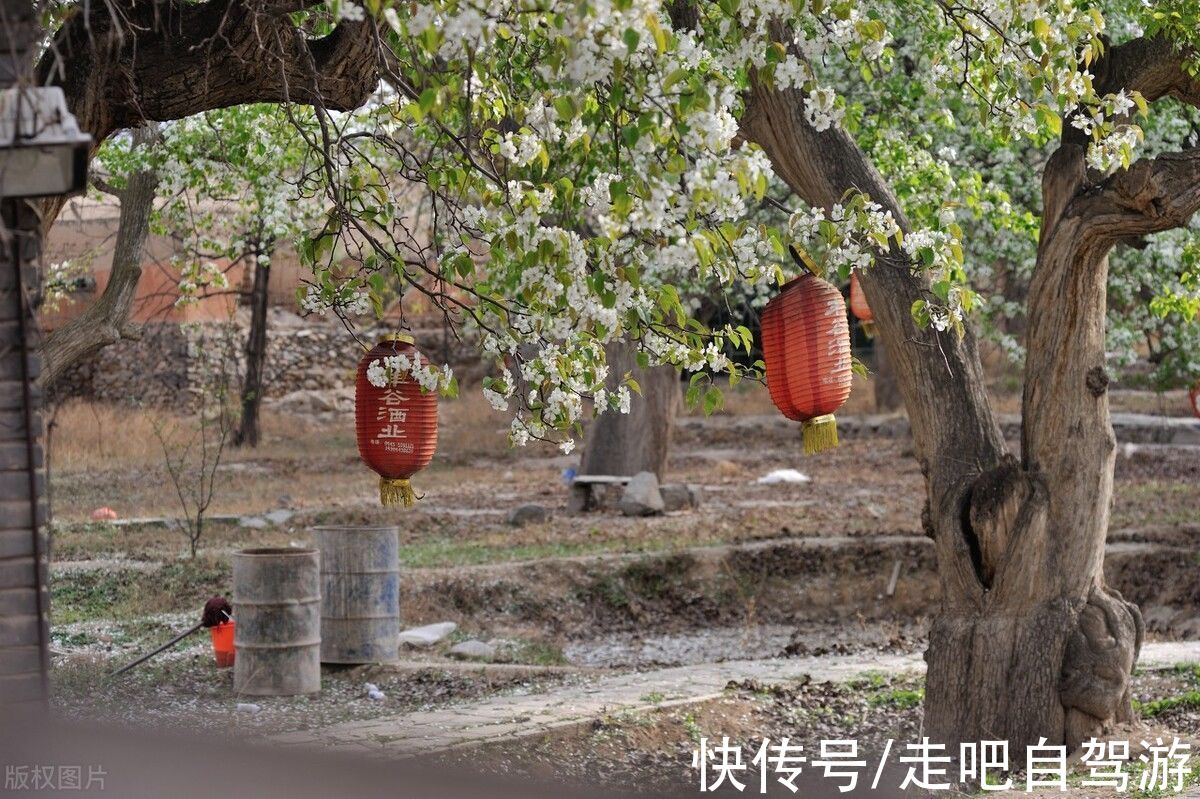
{"x":222,"y":641}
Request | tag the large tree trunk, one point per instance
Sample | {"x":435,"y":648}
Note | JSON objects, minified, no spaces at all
{"x":106,"y":321}
{"x":1043,"y":647}
{"x":1029,"y":642}
{"x":638,"y":441}
{"x":256,"y":355}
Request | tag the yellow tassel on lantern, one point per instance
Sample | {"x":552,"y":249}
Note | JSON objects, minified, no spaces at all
{"x":868,"y":329}
{"x":820,"y":434}
{"x":396,"y":492}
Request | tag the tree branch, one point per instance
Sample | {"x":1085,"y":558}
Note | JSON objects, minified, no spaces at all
{"x":121,"y":64}
{"x":1152,"y":195}
{"x":100,"y":182}
{"x":106,"y":321}
{"x":1153,"y":66}
{"x":956,"y":434}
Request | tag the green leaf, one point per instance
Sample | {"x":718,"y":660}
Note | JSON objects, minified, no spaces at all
{"x":713,"y":399}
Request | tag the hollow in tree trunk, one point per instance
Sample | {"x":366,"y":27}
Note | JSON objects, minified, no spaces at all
{"x":256,"y":352}
{"x":638,"y":441}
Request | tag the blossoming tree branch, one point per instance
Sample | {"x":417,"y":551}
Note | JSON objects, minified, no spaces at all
{"x":591,"y":165}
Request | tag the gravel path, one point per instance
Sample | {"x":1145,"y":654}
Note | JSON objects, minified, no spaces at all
{"x":506,"y":718}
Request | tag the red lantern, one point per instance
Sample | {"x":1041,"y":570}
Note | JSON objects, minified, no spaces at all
{"x":806,"y":349}
{"x":396,"y":423}
{"x":1194,"y":396}
{"x":858,"y":304}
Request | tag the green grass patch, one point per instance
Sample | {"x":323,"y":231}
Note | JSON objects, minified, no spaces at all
{"x":1189,"y":700}
{"x":902,"y":698}
{"x":452,"y":552}
{"x":873,"y":680}
{"x":120,"y":594}
{"x":1189,"y":671}
{"x":539,"y":653}
{"x":903,"y":691}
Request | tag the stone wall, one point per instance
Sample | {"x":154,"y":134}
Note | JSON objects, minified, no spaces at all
{"x":172,"y":363}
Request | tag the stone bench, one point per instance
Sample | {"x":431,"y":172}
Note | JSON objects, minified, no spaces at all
{"x":595,"y":491}
{"x":591,"y":492}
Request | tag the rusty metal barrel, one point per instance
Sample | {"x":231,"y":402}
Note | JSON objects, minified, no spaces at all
{"x":277,"y":606}
{"x":360,"y":593}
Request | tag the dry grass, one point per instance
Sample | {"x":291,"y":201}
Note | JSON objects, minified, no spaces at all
{"x":751,"y":398}
{"x":87,"y":436}
{"x":470,"y":428}
{"x":111,"y":455}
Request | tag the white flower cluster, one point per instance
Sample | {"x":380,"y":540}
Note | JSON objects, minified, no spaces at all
{"x":461,"y":26}
{"x":60,"y":275}
{"x":851,"y":235}
{"x":613,"y":194}
{"x":351,"y":11}
{"x":346,"y":300}
{"x":388,"y":371}
{"x":821,"y":109}
{"x":520,"y":148}
{"x":197,"y":278}
{"x":1113,"y":138}
{"x":1032,"y":72}
{"x":684,"y":226}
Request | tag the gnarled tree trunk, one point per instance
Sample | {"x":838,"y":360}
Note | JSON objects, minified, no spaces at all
{"x":1036,"y":644}
{"x":638,"y":441}
{"x":1029,"y":642}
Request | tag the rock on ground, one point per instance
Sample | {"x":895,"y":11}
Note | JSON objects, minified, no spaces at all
{"x":279,"y":517}
{"x":527,"y":514}
{"x":473,"y":650}
{"x":678,"y":496}
{"x":642,"y":497}
{"x":428,"y":635}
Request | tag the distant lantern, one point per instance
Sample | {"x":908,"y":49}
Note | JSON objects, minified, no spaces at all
{"x":858,"y":304}
{"x":1194,"y":396}
{"x":806,"y":349}
{"x":396,"y":422}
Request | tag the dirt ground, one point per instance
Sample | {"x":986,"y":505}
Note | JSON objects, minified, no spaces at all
{"x":654,"y":752}
{"x":732,"y":579}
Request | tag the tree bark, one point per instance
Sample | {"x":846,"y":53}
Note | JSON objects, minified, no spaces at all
{"x":106,"y":321}
{"x":1029,"y":642}
{"x":887,"y":391}
{"x":256,"y":353}
{"x":1067,"y":641}
{"x":638,"y":441}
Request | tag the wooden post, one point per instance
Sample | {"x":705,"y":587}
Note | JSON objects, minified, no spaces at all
{"x":24,"y":600}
